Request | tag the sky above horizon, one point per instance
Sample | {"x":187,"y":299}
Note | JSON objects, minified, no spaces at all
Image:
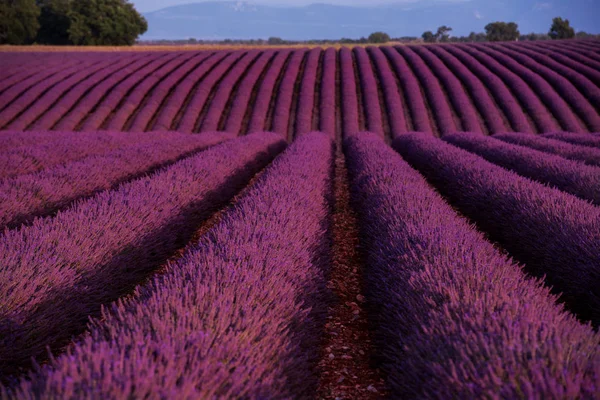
{"x":152,"y":5}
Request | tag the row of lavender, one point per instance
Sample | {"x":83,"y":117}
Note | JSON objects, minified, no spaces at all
{"x":240,"y":314}
{"x":487,"y":88}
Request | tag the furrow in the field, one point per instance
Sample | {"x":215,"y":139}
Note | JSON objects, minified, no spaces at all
{"x":25,"y":197}
{"x":587,"y":155}
{"x":138,"y":98}
{"x":73,"y":96}
{"x":584,"y":50}
{"x":536,"y":78}
{"x":565,"y":58}
{"x":303,"y":121}
{"x":243,"y":101}
{"x":580,"y":95}
{"x":346,"y":369}
{"x":147,"y":114}
{"x":44,"y":102}
{"x":20,"y":104}
{"x":107,"y":106}
{"x":199,"y":100}
{"x":221,"y":103}
{"x":169,"y":116}
{"x":555,"y":234}
{"x":396,"y":114}
{"x":349,"y":106}
{"x":369,"y":92}
{"x":441,"y":108}
{"x":261,"y":108}
{"x":503,"y":96}
{"x":15,"y":91}
{"x":530,"y":101}
{"x":338,"y":101}
{"x":455,"y":91}
{"x":492,"y":116}
{"x":120,"y":236}
{"x":88,"y":104}
{"x":327,"y":94}
{"x":452,"y":316}
{"x":285,"y":92}
{"x":415,"y":99}
{"x":237,"y":295}
{"x":569,"y":176}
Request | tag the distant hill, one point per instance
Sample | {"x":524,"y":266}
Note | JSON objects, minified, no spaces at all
{"x":241,"y":20}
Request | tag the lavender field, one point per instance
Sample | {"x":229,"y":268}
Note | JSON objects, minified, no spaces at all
{"x":355,"y":223}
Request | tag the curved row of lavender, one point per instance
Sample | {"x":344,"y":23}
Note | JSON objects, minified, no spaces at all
{"x":239,"y":315}
{"x":521,"y":87}
{"x":574,"y":138}
{"x":224,"y":90}
{"x":453,"y":316}
{"x":285,"y":93}
{"x":569,"y":176}
{"x":241,"y":103}
{"x":369,"y":90}
{"x":266,"y":93}
{"x":587,"y":155}
{"x":555,"y":234}
{"x":306,"y":93}
{"x":58,"y":271}
{"x":328,"y":99}
{"x":24,"y":197}
{"x":39,"y":150}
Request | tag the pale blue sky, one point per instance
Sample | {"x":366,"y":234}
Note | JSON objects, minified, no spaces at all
{"x":151,"y":5}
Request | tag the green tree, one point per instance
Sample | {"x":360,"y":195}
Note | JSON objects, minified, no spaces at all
{"x":429,"y":37}
{"x":105,"y":22}
{"x":54,"y":22}
{"x":442,"y":34}
{"x":561,"y":29}
{"x":379,"y":37}
{"x":18,"y":21}
{"x":502,"y":31}
{"x":275,"y":40}
{"x":90,"y":22}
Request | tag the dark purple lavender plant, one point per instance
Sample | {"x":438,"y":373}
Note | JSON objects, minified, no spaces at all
{"x":93,"y":98}
{"x":306,"y":95}
{"x":348,"y":88}
{"x":570,"y":151}
{"x":391,"y":94}
{"x":453,"y":317}
{"x":109,"y":101}
{"x":168,"y":116}
{"x":67,"y":147}
{"x":285,"y":93}
{"x":327,"y":106}
{"x":157,"y":98}
{"x":569,"y":176}
{"x":60,"y":270}
{"x":440,"y":107}
{"x":240,"y":105}
{"x":554,"y":233}
{"x":238,"y":316}
{"x":266,"y":93}
{"x":579,"y":139}
{"x":370,"y":91}
{"x":42,"y":193}
{"x":223,"y":92}
{"x":412,"y":91}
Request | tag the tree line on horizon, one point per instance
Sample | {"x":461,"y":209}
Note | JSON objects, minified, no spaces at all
{"x":70,"y":22}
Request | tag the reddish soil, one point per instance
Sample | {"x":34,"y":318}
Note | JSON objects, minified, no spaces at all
{"x":345,"y":366}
